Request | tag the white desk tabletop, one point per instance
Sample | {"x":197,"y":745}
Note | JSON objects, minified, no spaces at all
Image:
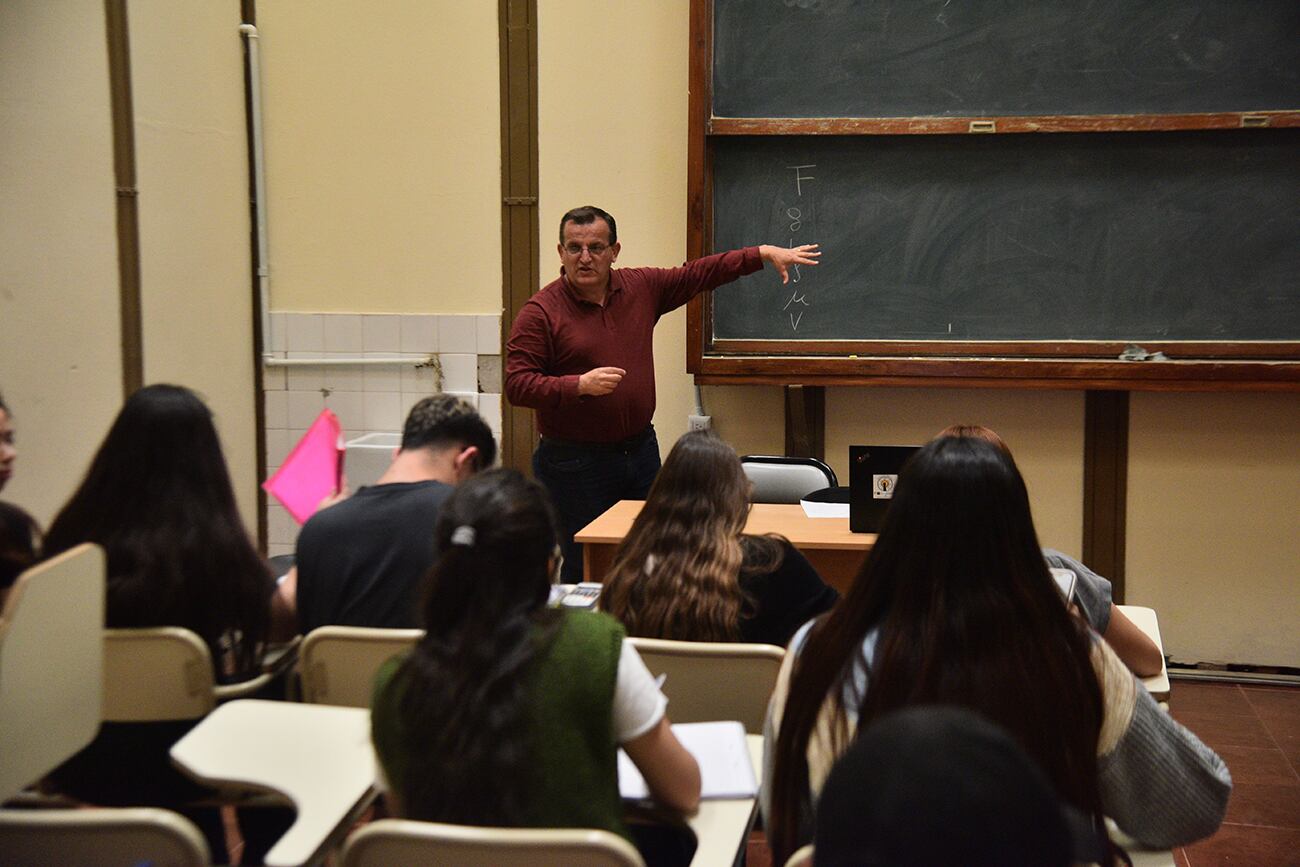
{"x":1145,"y":619}
{"x":319,"y":756}
{"x":722,"y":826}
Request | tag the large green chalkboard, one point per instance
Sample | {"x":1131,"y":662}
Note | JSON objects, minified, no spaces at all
{"x":1111,"y":237}
{"x":892,"y":58}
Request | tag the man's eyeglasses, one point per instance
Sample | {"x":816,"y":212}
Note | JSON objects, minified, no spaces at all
{"x":596,"y":249}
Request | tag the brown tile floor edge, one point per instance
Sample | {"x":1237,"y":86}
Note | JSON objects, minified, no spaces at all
{"x":1256,"y":729}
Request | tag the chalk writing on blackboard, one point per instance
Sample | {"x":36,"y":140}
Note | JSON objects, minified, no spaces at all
{"x":795,"y":222}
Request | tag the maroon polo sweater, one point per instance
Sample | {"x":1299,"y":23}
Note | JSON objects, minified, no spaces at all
{"x":558,"y":336}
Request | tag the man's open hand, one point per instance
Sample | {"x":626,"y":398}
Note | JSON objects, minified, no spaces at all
{"x":783,"y":258}
{"x":600,"y":380}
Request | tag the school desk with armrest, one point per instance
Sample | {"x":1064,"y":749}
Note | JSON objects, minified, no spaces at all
{"x":1145,"y":620}
{"x":318,"y":756}
{"x":321,"y":758}
{"x":834,"y":551}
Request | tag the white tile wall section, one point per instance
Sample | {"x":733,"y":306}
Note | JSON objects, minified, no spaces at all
{"x":342,"y":333}
{"x":345,"y":377}
{"x":349,"y":406}
{"x":419,"y":333}
{"x":277,"y":410}
{"x":459,"y":372}
{"x":278,"y":341}
{"x":457,"y":334}
{"x":383,"y":410}
{"x":366,"y":398}
{"x":489,"y":406}
{"x":305,"y":332}
{"x":489,"y":334}
{"x":383,"y":377}
{"x":304,"y":378}
{"x":304,"y":406}
{"x":381,"y":332}
{"x":419,"y":379}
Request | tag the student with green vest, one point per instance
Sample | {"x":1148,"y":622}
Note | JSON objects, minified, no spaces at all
{"x":508,"y":712}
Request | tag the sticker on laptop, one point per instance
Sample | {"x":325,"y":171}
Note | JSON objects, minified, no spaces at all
{"x":882,"y":486}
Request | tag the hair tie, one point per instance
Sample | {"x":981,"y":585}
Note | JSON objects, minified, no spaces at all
{"x":463,"y":535}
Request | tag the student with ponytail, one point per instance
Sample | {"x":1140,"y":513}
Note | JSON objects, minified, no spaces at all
{"x":508,"y":712}
{"x":954,"y":605}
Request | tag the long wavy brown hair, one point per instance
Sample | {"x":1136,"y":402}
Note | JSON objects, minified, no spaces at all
{"x":677,"y":572}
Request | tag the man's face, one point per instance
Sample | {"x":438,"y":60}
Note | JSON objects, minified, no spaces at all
{"x":587,"y":256}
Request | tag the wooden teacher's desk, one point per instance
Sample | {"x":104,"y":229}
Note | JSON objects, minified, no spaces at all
{"x":833,"y":551}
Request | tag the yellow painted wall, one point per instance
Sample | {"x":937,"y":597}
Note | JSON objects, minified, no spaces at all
{"x":1214,"y":523}
{"x":612,"y":88}
{"x":192,"y":168}
{"x":60,"y":367}
{"x":383,"y":155}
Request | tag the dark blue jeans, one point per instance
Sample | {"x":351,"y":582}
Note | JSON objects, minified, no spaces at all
{"x":585,"y":479}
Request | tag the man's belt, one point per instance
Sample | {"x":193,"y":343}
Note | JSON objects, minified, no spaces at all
{"x":630,"y":444}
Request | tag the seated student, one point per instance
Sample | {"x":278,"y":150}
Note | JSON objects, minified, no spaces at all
{"x":936,"y":784}
{"x":687,"y":571}
{"x":19,"y":539}
{"x":954,"y":605}
{"x":509,"y":712}
{"x":360,"y":560}
{"x":8,"y":452}
{"x":158,"y":499}
{"x":1092,"y":593}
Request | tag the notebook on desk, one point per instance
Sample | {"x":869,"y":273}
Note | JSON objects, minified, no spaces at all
{"x":873,"y":472}
{"x":720,"y":749}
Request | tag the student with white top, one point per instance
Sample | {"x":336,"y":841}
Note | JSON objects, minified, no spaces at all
{"x":508,"y":712}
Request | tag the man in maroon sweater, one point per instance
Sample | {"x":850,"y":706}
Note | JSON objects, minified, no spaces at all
{"x":581,"y":353}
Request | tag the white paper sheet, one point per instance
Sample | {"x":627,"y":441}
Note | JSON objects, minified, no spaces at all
{"x":825,"y":510}
{"x":719,"y":747}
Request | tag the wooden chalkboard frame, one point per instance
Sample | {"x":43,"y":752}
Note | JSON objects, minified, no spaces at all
{"x":1064,"y":364}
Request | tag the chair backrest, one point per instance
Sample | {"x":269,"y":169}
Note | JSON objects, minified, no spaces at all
{"x":162,"y":673}
{"x":111,"y":838}
{"x":779,"y":479}
{"x":338,"y":663}
{"x":155,"y":674}
{"x":707,"y":681}
{"x":51,"y":660}
{"x":399,"y":841}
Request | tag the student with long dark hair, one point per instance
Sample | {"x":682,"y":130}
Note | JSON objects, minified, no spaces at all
{"x":1092,"y":593}
{"x":158,"y":499}
{"x":954,"y":605}
{"x":687,"y":571}
{"x":507,"y":712}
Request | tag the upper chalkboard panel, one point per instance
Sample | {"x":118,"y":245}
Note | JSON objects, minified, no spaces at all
{"x":1101,"y":237}
{"x":913,"y":58}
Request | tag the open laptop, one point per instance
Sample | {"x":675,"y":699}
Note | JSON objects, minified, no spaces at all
{"x":873,"y":473}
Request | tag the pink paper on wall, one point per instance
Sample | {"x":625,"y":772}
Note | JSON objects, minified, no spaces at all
{"x":312,"y":471}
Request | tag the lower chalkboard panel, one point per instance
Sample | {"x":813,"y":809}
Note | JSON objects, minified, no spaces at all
{"x":1110,"y":237}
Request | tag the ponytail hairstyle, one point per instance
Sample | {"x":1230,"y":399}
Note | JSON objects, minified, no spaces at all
{"x":464,"y":689}
{"x":964,"y":611}
{"x":158,"y":499}
{"x":676,"y":573}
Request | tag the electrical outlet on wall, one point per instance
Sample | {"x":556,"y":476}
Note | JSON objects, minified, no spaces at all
{"x":699,"y":422}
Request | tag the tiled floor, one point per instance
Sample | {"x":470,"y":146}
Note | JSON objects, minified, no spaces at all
{"x":1257,"y":732}
{"x":1256,"y":729}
